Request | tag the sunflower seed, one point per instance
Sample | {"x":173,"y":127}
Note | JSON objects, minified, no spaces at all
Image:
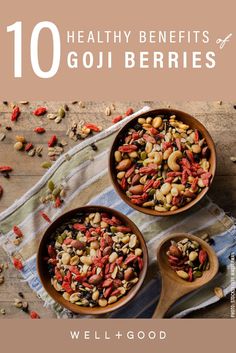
{"x":108,"y":111}
{"x":31,"y":153}
{"x":2,"y":136}
{"x":58,"y":119}
{"x":51,"y":116}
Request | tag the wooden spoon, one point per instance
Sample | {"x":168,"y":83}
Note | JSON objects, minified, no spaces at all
{"x":174,"y":287}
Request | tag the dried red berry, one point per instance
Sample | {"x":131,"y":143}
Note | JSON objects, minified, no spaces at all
{"x":129,"y":112}
{"x":117,"y":119}
{"x":15,"y":113}
{"x":57,"y":202}
{"x":17,"y":232}
{"x":5,"y":168}
{"x":39,"y":130}
{"x":34,"y":315}
{"x":52,"y":141}
{"x":28,"y":146}
{"x":92,"y":127}
{"x":18,"y":264}
{"x":45,"y":216}
{"x":40,"y":111}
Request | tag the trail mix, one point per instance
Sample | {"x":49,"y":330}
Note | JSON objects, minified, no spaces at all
{"x":94,"y":259}
{"x":162,"y":163}
{"x":188,"y":259}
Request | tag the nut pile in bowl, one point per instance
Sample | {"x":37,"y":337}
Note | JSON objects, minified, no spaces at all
{"x":162,"y":163}
{"x":187,"y":258}
{"x":94,"y":259}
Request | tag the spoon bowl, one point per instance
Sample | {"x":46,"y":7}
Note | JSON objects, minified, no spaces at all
{"x":174,"y":287}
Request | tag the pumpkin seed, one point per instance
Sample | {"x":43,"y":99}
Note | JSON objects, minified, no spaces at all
{"x":51,"y":185}
{"x":61,"y":113}
{"x":46,"y":165}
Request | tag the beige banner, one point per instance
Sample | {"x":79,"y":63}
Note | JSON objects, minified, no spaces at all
{"x":119,"y":83}
{"x":135,"y":336}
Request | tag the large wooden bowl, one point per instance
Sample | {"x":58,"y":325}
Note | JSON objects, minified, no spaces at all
{"x":43,"y":270}
{"x":187,"y":119}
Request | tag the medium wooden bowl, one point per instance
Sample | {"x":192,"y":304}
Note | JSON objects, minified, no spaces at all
{"x":43,"y":271}
{"x":187,"y":119}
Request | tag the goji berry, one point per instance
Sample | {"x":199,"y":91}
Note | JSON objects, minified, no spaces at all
{"x":52,"y":141}
{"x":123,"y":183}
{"x":202,"y":256}
{"x":5,"y":168}
{"x":135,"y":135}
{"x":190,"y":274}
{"x":28,"y":146}
{"x":39,"y":130}
{"x":15,"y":113}
{"x":196,"y":135}
{"x":57,"y":202}
{"x":123,"y":229}
{"x":129,"y":112}
{"x":153,"y":131}
{"x":80,"y":227}
{"x":17,"y":232}
{"x":128,"y":148}
{"x":149,"y":138}
{"x":178,"y":143}
{"x":40,"y":111}
{"x":51,"y":251}
{"x":34,"y":315}
{"x":117,"y":119}
{"x":93,"y":127}
{"x":18,"y":264}
{"x":67,"y":287}
{"x":45,"y":216}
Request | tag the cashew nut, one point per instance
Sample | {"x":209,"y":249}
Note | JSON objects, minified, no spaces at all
{"x":172,"y":161}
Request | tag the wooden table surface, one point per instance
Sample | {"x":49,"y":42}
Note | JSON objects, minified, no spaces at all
{"x":218,"y":117}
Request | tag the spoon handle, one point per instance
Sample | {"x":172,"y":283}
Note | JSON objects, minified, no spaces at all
{"x":169,"y":294}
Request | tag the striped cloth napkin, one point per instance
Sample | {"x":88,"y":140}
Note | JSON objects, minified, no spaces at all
{"x":85,"y":177}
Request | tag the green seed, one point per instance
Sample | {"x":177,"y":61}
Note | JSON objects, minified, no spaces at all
{"x":197,"y":274}
{"x":61,"y":112}
{"x":151,"y":192}
{"x":60,"y":239}
{"x":51,"y":185}
{"x":46,"y":165}
{"x":56,"y":192}
{"x":113,"y":229}
{"x":143,"y":155}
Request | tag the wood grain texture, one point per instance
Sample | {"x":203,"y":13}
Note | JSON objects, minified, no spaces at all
{"x":219,"y":119}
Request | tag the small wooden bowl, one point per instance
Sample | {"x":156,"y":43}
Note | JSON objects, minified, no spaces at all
{"x":174,"y":287}
{"x":185,"y":118}
{"x":46,"y":280}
